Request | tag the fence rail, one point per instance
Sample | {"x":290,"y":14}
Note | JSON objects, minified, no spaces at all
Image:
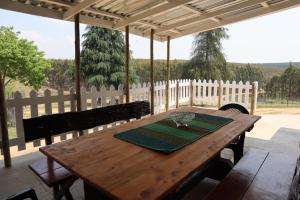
{"x":181,"y":92}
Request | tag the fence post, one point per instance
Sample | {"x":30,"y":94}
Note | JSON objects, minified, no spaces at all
{"x":254,"y":97}
{"x":191,"y":93}
{"x":167,"y":94}
{"x":177,"y":94}
{"x":220,"y":94}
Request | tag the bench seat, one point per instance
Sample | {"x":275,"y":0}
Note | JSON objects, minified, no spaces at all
{"x":258,"y":175}
{"x":51,"y":172}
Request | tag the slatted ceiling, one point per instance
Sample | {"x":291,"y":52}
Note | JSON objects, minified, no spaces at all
{"x":225,"y":5}
{"x":102,"y":3}
{"x":131,"y":6}
{"x":198,"y":13}
{"x":111,"y":5}
{"x":275,"y":1}
{"x":151,"y":4}
{"x":243,"y":11}
{"x":165,"y":17}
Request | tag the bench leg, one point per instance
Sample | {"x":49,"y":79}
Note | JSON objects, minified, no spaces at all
{"x":56,"y":192}
{"x":63,"y":190}
{"x":239,"y":150}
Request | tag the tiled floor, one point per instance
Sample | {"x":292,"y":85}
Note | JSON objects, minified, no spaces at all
{"x":269,"y":134}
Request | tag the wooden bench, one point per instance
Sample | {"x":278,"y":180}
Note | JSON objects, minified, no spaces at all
{"x":258,"y":175}
{"x":51,"y":172}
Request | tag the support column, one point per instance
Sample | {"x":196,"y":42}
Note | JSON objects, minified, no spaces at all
{"x":168,"y":74}
{"x":254,"y":97}
{"x":151,"y":71}
{"x":4,"y":129}
{"x":77,"y":63}
{"x":127,"y":62}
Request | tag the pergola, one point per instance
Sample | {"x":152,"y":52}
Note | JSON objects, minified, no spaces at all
{"x":160,"y":20}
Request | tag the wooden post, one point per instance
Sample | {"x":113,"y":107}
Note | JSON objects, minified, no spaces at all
{"x":191,"y":93}
{"x":177,"y":94}
{"x":77,"y":63}
{"x":4,"y":129}
{"x":151,"y":72}
{"x":220,"y":94}
{"x":168,"y":74}
{"x":127,"y":62}
{"x":254,"y":97}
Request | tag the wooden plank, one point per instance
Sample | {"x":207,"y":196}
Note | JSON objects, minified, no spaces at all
{"x":240,"y":177}
{"x":127,"y":171}
{"x":274,"y":178}
{"x":19,"y":114}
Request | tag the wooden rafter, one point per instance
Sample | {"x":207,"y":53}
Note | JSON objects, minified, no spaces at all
{"x":149,"y":12}
{"x":78,"y":7}
{"x":93,"y":10}
{"x":198,"y":12}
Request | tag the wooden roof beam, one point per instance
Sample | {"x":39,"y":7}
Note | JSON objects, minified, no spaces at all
{"x":167,"y":6}
{"x":211,"y":15}
{"x":78,"y":7}
{"x":260,"y":12}
{"x":30,"y":9}
{"x":198,"y":12}
{"x":91,"y":10}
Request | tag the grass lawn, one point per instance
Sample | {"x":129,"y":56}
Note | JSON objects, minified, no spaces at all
{"x":12,"y":132}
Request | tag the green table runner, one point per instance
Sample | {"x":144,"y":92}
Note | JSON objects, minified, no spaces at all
{"x":166,"y":137}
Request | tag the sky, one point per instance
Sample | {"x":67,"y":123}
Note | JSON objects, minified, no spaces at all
{"x":272,"y":38}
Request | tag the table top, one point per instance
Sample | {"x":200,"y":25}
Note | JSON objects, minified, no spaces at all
{"x":126,"y":171}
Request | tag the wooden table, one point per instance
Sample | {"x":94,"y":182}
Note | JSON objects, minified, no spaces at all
{"x":126,"y":171}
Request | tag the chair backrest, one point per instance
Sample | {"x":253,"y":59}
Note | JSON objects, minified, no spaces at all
{"x":49,"y":125}
{"x":25,"y":194}
{"x":237,"y":108}
{"x":234,"y":106}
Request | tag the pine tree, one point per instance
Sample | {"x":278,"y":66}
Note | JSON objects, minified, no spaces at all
{"x":103,"y":58}
{"x":208,"y":60}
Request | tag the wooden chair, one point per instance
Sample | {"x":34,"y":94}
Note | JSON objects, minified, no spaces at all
{"x":44,"y":127}
{"x":237,"y":146}
{"x":25,"y":194}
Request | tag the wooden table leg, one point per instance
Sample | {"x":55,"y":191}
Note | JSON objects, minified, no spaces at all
{"x":92,"y":193}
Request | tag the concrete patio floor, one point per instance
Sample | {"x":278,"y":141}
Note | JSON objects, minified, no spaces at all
{"x":273,"y":133}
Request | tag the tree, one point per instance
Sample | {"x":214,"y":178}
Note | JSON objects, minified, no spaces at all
{"x":62,"y":73}
{"x":290,"y":79}
{"x":103,"y":57}
{"x":20,"y":60}
{"x":250,"y":73}
{"x":273,"y":88}
{"x":208,"y":60}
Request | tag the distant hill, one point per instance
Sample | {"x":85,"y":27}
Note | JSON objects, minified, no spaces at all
{"x":271,"y":69}
{"x":271,"y":65}
{"x":277,"y":65}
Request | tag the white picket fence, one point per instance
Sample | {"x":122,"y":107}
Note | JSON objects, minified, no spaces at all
{"x":181,"y":92}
